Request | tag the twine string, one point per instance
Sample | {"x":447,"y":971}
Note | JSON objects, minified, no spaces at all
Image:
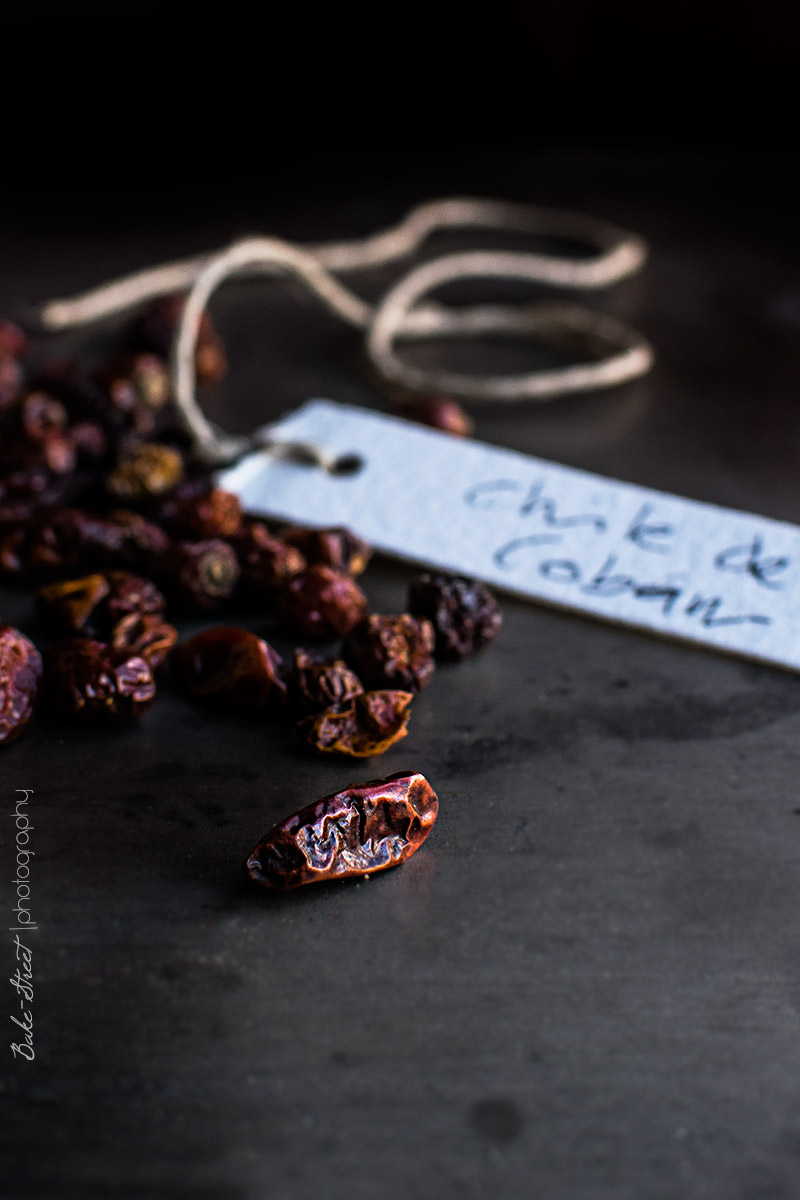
{"x":400,"y":315}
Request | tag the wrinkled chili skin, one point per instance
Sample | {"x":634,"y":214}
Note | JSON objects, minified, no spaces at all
{"x":69,"y":606}
{"x":131,"y":594}
{"x":196,"y":511}
{"x":365,"y":726}
{"x":365,"y":828}
{"x":464,"y":613}
{"x":198,"y":576}
{"x":392,"y":651}
{"x":322,"y":602}
{"x":231,"y":667}
{"x":20,"y":678}
{"x":266,"y":562}
{"x":64,"y":539}
{"x":317,"y":683}
{"x":93,"y":604}
{"x":149,"y":469}
{"x":84,"y":679}
{"x":336,"y":547}
{"x":140,"y":543}
{"x":143,"y":635}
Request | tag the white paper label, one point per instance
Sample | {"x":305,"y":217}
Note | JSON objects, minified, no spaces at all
{"x":539,"y":530}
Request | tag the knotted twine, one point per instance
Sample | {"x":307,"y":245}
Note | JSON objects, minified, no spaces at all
{"x":399,"y":315}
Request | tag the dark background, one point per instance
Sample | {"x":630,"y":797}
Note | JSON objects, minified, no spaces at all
{"x":124,"y":107}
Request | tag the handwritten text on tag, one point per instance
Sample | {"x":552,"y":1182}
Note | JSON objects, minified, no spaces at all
{"x":551,"y":533}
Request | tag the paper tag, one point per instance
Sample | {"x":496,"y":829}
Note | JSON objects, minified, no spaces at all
{"x":550,"y":533}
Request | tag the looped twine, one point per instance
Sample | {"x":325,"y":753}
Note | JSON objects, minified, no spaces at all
{"x":616,"y":353}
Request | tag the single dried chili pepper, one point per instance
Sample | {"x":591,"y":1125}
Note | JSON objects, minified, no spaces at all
{"x":149,"y":469}
{"x":438,"y":412}
{"x":36,"y":434}
{"x":231,"y":667}
{"x":196,"y":510}
{"x":146,"y":374}
{"x":84,"y":679}
{"x":317,"y":683}
{"x":11,"y":379}
{"x":395,"y":651}
{"x":67,"y":606}
{"x":124,"y":398}
{"x":20,"y":676}
{"x":367,"y":827}
{"x":130,"y":594}
{"x":266,"y":562}
{"x":322,"y":602}
{"x":133,"y":541}
{"x":13,"y":341}
{"x":364,"y":726}
{"x":336,"y":547}
{"x":199,"y":576}
{"x":464,"y":613}
{"x":41,"y":415}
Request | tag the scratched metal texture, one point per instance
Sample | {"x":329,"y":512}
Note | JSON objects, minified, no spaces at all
{"x":586,"y":985}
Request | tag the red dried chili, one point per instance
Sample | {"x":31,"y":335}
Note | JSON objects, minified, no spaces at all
{"x":367,"y":827}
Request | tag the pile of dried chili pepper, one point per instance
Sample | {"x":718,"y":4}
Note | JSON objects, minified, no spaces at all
{"x":104,"y":512}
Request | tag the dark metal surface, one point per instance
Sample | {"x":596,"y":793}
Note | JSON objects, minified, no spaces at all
{"x":586,"y":985}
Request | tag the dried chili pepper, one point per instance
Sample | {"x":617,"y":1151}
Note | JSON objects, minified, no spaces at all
{"x":84,"y":679}
{"x":131,"y":540}
{"x":317,"y":683}
{"x":266,"y":562}
{"x":20,"y":676}
{"x":149,"y":469}
{"x":35,"y":434}
{"x":57,"y":540}
{"x":13,"y":341}
{"x":393,"y":651}
{"x":196,"y":510}
{"x":147,"y":635}
{"x":67,"y":607}
{"x":11,"y":379}
{"x":70,"y":538}
{"x":464,"y":613}
{"x":366,"y":725}
{"x":322,"y":602}
{"x":131,"y":594}
{"x":336,"y":547}
{"x":199,"y":576}
{"x":90,"y":441}
{"x":84,"y":397}
{"x":93,"y":604}
{"x":41,"y":415}
{"x":229,"y":666}
{"x":145,"y":374}
{"x":438,"y":412}
{"x":367,"y":827}
{"x":156,"y":328}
